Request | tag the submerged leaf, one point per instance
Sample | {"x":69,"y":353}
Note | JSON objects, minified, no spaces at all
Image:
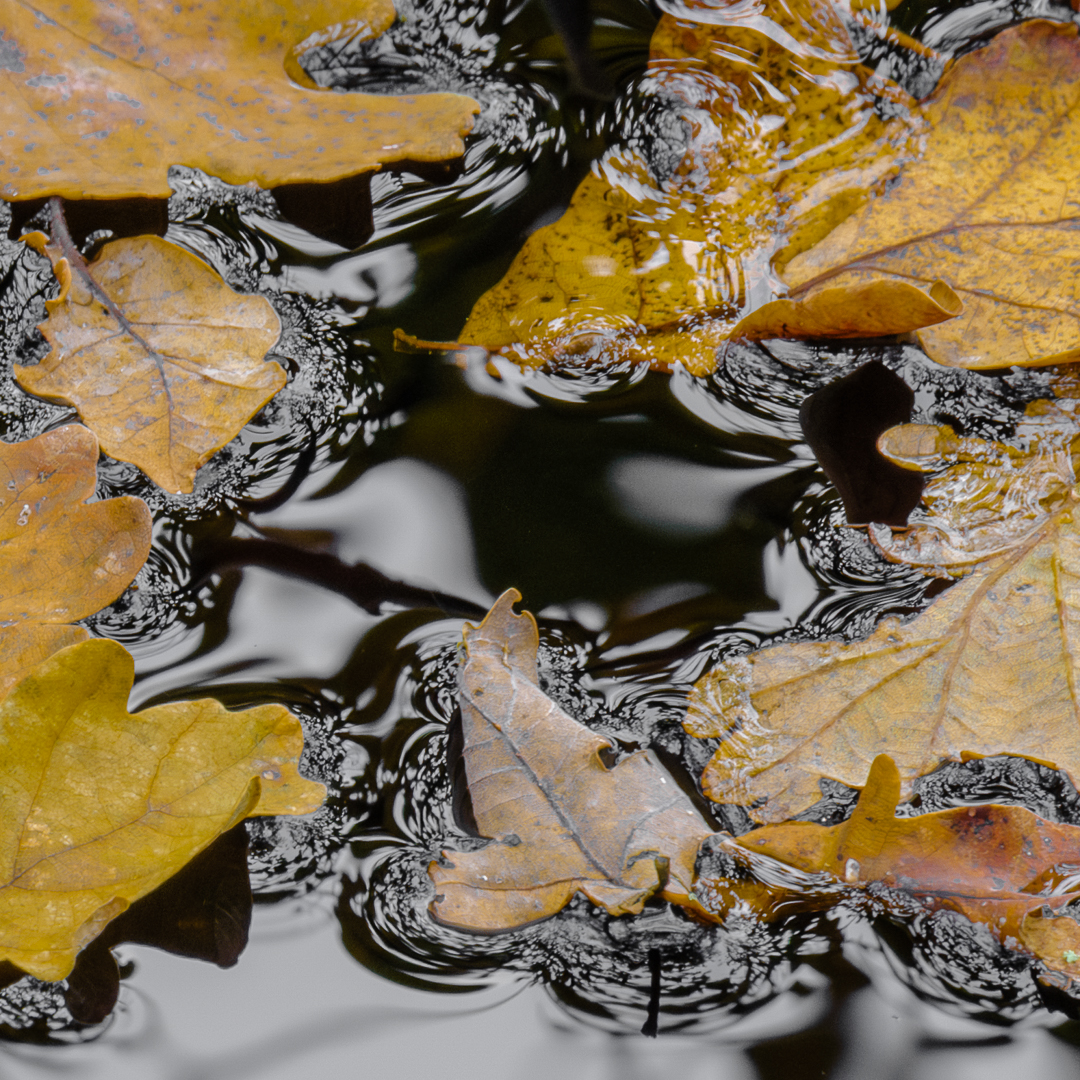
{"x":101,"y":806}
{"x":164,"y":361}
{"x":63,"y":558}
{"x":991,"y":207}
{"x":98,"y":101}
{"x":560,"y":821}
{"x":1000,"y":866}
{"x":988,"y":668}
{"x":784,"y":142}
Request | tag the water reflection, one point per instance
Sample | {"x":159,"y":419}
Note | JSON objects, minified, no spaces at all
{"x":679,"y":498}
{"x":403,"y":517}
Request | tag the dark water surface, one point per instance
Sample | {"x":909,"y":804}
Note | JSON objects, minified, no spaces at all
{"x":654,"y":524}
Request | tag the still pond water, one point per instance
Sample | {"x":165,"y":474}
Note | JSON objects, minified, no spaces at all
{"x":328,"y":558}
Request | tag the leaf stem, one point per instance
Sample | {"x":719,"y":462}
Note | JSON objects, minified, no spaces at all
{"x":61,"y":236}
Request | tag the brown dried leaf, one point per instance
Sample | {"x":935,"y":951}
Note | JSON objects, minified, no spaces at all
{"x":560,"y":821}
{"x":63,"y":558}
{"x":988,"y":668}
{"x":99,"y":100}
{"x":164,"y":362}
{"x":1001,"y":866}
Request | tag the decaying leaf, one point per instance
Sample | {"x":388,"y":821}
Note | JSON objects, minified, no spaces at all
{"x":62,"y":558}
{"x":991,"y":206}
{"x":164,"y":362}
{"x":784,"y":143}
{"x":98,"y":100}
{"x":1001,"y":866}
{"x":101,"y":806}
{"x":560,"y":821}
{"x":988,"y":668}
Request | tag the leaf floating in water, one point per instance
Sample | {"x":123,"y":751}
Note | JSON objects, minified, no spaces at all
{"x":559,"y":820}
{"x":101,"y":806}
{"x":64,"y":558}
{"x":164,"y":361}
{"x":990,"y":206}
{"x":99,"y":101}
{"x":1000,"y":866}
{"x":988,"y":668}
{"x":660,"y":268}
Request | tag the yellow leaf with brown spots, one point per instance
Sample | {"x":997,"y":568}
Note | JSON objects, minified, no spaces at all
{"x":785,"y":141}
{"x":164,"y":362}
{"x":99,"y":99}
{"x":102,"y":806}
{"x":61,"y":558}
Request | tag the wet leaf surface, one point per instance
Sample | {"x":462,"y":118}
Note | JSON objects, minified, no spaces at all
{"x":100,"y":103}
{"x":1000,"y":866}
{"x":102,"y":806}
{"x":164,"y":361}
{"x":990,"y":207}
{"x":63,"y":558}
{"x":561,"y":821}
{"x":658,"y":265}
{"x":987,"y":668}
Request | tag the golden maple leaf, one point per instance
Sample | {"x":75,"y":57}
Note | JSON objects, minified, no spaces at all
{"x":988,"y":668}
{"x":991,"y":207}
{"x":101,"y":806}
{"x":1000,"y":866}
{"x":98,"y":100}
{"x":164,"y":362}
{"x":784,"y":144}
{"x":560,"y":821}
{"x":63,"y":558}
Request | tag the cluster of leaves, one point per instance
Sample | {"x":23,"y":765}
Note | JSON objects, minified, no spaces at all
{"x":800,"y":213}
{"x":164,"y":363}
{"x":162,"y":360}
{"x":975,"y":252}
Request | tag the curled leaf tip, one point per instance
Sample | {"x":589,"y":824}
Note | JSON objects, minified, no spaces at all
{"x":505,"y":633}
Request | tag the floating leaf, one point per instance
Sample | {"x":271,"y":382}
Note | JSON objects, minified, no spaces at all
{"x":991,"y":207}
{"x":164,"y":362}
{"x":660,"y":268}
{"x":63,"y":558}
{"x":101,"y":806}
{"x":560,"y":821}
{"x":988,"y":668}
{"x":1000,"y":866}
{"x":98,"y":101}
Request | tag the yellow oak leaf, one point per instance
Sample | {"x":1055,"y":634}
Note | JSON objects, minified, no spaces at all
{"x":164,"y":362}
{"x":98,"y":100}
{"x":1000,"y":866}
{"x":102,"y":806}
{"x":988,"y":668}
{"x":785,"y":141}
{"x":991,"y":207}
{"x":560,"y":821}
{"x":61,"y":558}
